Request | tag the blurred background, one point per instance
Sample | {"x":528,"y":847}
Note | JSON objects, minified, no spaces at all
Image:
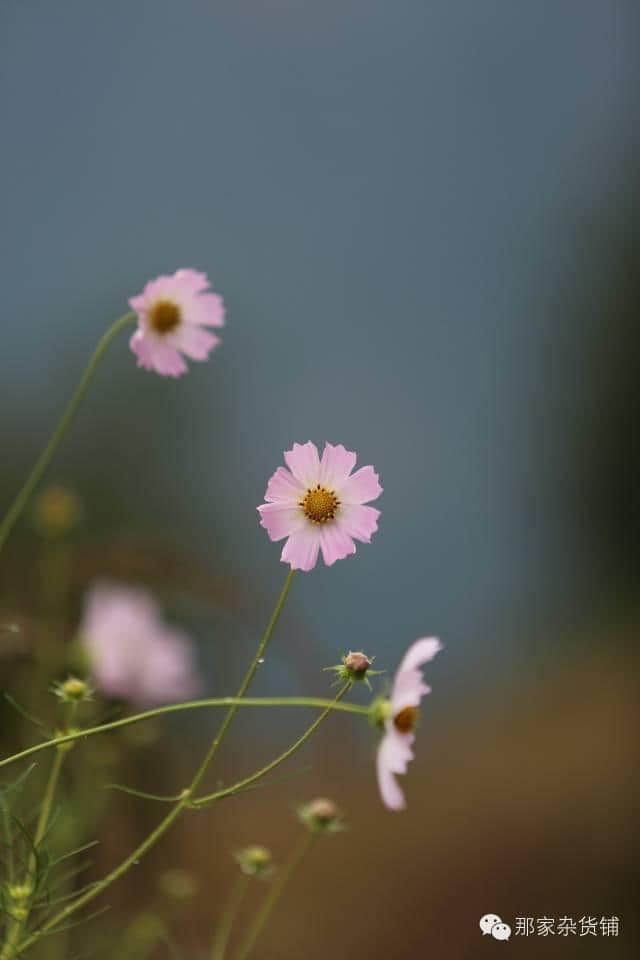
{"x":421,"y":218}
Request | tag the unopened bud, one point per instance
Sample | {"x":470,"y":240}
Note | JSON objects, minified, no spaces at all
{"x":357,"y":663}
{"x":255,"y":860}
{"x":178,"y":884}
{"x":321,"y":815}
{"x":73,"y":690}
{"x":20,"y":891}
{"x":380,"y":711}
{"x":56,"y":512}
{"x":70,"y":744}
{"x":355,"y":666}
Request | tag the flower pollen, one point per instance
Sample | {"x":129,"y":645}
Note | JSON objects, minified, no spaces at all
{"x":405,"y":721}
{"x":320,"y":504}
{"x":164,"y":316}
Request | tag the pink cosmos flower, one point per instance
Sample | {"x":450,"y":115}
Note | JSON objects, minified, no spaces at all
{"x":135,"y":655}
{"x":173,"y":314}
{"x":318,"y":505}
{"x":394,"y":752}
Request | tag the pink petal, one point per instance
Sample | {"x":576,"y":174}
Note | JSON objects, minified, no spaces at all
{"x":156,"y":355}
{"x":207,"y":310}
{"x":408,"y":685}
{"x":195,"y":342}
{"x":301,"y":549}
{"x":173,"y":676}
{"x":284,"y":488}
{"x":420,"y":653}
{"x":280,"y":520}
{"x":360,"y":487}
{"x":335,"y":543}
{"x":358,"y":521}
{"x":192,"y":281}
{"x":336,"y":465}
{"x":394,"y":754}
{"x":304,"y":463}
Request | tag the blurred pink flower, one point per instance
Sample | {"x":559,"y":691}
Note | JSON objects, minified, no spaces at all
{"x":135,"y":655}
{"x":394,"y":752}
{"x":173,"y":314}
{"x":318,"y":505}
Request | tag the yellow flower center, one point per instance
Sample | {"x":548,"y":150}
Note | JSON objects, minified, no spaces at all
{"x":320,"y":504}
{"x":164,"y":316}
{"x":405,"y":721}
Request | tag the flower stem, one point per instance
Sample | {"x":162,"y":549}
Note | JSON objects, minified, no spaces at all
{"x":64,"y":423}
{"x":253,"y":702}
{"x":264,"y":643}
{"x":229,"y":791}
{"x":229,"y":913}
{"x":11,"y":944}
{"x":182,"y":803}
{"x":274,"y":894}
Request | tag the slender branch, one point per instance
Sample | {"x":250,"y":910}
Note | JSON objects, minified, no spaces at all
{"x":41,"y":464}
{"x":221,"y":939}
{"x":244,"y":686}
{"x":275,"y":892}
{"x":229,"y":791}
{"x":312,"y":702}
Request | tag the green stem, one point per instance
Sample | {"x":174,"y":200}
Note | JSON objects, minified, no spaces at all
{"x":229,"y":914}
{"x":229,"y":791}
{"x":183,"y":802}
{"x":11,"y":945}
{"x":312,"y":702}
{"x":274,"y":895}
{"x":244,"y":686}
{"x":64,"y":423}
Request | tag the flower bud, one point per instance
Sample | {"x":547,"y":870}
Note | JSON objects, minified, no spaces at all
{"x":56,"y":512}
{"x":20,"y":892}
{"x":357,"y":664}
{"x":70,"y":744}
{"x":255,"y":860}
{"x":380,"y":711}
{"x":73,"y":690}
{"x":178,"y":884}
{"x":321,"y":815}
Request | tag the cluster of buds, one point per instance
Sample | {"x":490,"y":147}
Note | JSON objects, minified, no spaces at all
{"x":321,"y":816}
{"x":255,"y":860}
{"x":19,"y":895}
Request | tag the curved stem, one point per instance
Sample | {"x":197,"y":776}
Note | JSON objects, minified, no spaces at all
{"x":229,"y":913}
{"x":274,"y":895}
{"x":64,"y":423}
{"x":255,"y":702}
{"x":213,"y":749}
{"x":229,"y":791}
{"x":11,"y":945}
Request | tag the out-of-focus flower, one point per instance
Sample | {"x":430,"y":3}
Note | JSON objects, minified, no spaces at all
{"x":255,"y":860}
{"x":178,"y":884}
{"x":173,"y":315}
{"x":135,"y":655}
{"x":56,"y":512}
{"x":400,"y":715}
{"x":321,"y":816}
{"x":318,"y":504}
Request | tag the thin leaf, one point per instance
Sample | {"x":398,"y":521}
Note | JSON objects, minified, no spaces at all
{"x":142,"y":794}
